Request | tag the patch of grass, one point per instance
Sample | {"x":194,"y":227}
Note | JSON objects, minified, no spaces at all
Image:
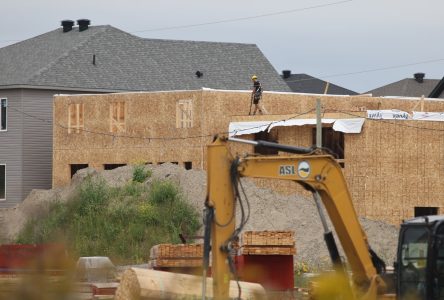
{"x":122,"y":223}
{"x":140,"y":173}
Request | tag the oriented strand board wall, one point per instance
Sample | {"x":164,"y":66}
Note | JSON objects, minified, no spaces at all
{"x":149,"y":117}
{"x":391,"y":166}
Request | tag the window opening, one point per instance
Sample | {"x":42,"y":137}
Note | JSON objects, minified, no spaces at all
{"x":112,"y":166}
{"x":76,"y":167}
{"x":3,"y":114}
{"x":117,"y":117}
{"x":269,"y":137}
{"x":425,"y":211}
{"x":75,"y":117}
{"x":333,"y":140}
{"x":184,"y":114}
{"x":188,"y":165}
{"x":2,"y":182}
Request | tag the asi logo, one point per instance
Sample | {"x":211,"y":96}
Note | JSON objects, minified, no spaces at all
{"x":286,"y":170}
{"x":303,"y":169}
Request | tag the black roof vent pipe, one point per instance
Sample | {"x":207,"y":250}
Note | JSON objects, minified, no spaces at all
{"x":67,"y":25}
{"x":419,"y":77}
{"x":286,"y":73}
{"x":83,"y":24}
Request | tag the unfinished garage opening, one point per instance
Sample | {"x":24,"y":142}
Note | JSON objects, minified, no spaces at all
{"x":333,"y":140}
{"x":75,"y":167}
{"x":112,"y":166}
{"x":269,"y":137}
{"x":425,"y":211}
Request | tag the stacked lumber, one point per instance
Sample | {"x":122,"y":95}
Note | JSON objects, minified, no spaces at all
{"x":268,"y":243}
{"x":182,"y":255}
{"x":143,"y":284}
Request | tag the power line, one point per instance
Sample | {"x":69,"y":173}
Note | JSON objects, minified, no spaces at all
{"x":110,"y":134}
{"x":371,"y":70}
{"x":230,"y":20}
{"x":243,"y":18}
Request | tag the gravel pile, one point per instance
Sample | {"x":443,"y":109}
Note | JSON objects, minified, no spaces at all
{"x":269,"y":211}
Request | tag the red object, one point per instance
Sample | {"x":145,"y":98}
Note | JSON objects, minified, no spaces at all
{"x":273,"y":272}
{"x":17,"y":258}
{"x":104,"y":288}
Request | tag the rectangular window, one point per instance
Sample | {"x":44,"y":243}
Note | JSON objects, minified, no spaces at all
{"x":184,"y":114}
{"x":425,"y":211}
{"x":117,"y":117}
{"x":3,"y":114}
{"x":2,"y":182}
{"x":76,"y":167}
{"x":75,"y":117}
{"x":333,"y":140}
{"x":188,"y":165}
{"x":112,"y":166}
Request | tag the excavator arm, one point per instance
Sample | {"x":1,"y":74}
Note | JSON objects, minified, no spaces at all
{"x":318,"y":173}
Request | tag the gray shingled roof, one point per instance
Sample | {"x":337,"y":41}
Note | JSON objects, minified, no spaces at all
{"x":127,"y":62}
{"x":303,"y":83}
{"x":408,"y":87}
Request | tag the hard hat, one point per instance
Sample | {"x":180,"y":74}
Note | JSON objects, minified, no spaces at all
{"x":254,"y":77}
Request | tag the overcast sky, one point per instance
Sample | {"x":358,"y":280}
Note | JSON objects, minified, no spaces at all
{"x":317,"y":37}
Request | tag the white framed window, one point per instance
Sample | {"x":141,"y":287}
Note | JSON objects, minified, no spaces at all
{"x":184,"y":113}
{"x":3,"y":114}
{"x":2,"y":182}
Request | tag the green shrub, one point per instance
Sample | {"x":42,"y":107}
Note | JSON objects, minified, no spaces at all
{"x":122,"y":223}
{"x":140,"y":174}
{"x":163,"y":192}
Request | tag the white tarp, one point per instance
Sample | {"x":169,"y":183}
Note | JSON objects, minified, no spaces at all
{"x":388,"y":114}
{"x":428,"y":116}
{"x":344,"y":125}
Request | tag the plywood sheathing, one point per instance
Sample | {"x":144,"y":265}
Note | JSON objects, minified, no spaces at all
{"x":391,"y":166}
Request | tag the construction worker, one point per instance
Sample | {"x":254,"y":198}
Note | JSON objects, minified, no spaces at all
{"x":256,"y":96}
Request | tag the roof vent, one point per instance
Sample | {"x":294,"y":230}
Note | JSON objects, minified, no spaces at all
{"x":83,"y":24}
{"x":286,"y":73}
{"x":419,"y":77}
{"x":199,"y":74}
{"x":67,"y":25}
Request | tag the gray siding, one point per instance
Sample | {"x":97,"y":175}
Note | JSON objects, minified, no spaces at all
{"x":37,"y":138}
{"x":26,"y":147}
{"x":10,"y":148}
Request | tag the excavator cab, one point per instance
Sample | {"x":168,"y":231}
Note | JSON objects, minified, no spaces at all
{"x":420,"y":263}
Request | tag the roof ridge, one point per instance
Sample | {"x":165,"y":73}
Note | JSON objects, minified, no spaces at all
{"x":66,"y":53}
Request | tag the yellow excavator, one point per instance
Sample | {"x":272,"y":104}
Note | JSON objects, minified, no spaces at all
{"x":419,"y":269}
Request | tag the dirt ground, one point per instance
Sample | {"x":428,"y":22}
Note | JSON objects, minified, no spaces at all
{"x":269,"y":211}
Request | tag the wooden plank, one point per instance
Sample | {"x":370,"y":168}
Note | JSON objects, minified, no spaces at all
{"x":176,"y":251}
{"x":190,"y":262}
{"x":267,"y":250}
{"x":268,"y":238}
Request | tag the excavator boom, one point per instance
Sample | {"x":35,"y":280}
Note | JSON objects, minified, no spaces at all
{"x":317,"y":173}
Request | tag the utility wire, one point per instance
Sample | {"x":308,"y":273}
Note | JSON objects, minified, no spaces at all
{"x":110,"y":134}
{"x":243,"y":18}
{"x":283,"y":12}
{"x":370,"y":70}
